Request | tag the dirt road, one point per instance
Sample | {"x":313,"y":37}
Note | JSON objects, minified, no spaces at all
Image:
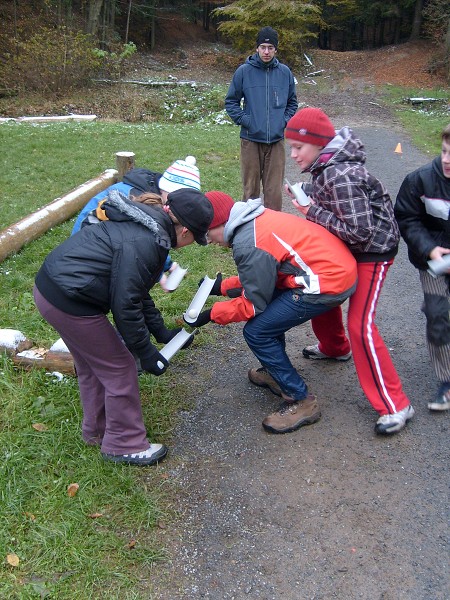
{"x":329,"y":511}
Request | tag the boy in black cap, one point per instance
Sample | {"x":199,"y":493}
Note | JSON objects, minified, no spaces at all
{"x":268,"y":90}
{"x":110,"y":267}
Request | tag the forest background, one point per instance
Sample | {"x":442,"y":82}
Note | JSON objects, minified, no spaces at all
{"x":51,"y":46}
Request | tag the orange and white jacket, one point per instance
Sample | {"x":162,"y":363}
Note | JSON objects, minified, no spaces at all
{"x":273,"y":249}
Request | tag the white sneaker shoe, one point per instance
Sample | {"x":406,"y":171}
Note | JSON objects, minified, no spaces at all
{"x":442,"y":400}
{"x":315,"y":353}
{"x":388,"y":424}
{"x":148,"y":457}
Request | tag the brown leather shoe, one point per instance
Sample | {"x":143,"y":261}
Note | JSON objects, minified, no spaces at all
{"x":262,"y":378}
{"x":291,"y":416}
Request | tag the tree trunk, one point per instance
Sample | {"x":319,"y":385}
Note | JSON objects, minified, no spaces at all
{"x":447,"y":50}
{"x":127,"y":29}
{"x":95,"y":7}
{"x":417,"y":22}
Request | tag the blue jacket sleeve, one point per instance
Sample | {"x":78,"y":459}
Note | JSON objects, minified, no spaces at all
{"x":93,"y":203}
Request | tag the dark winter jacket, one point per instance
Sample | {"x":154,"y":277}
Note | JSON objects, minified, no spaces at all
{"x":268,"y":91}
{"x":112,"y":266}
{"x":422,"y":211}
{"x":135,"y":182}
{"x":352,"y":203}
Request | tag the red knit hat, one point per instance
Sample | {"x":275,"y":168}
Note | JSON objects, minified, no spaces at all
{"x":222,"y":204}
{"x":310,"y":126}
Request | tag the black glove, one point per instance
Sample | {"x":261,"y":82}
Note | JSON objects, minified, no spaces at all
{"x":215,"y":291}
{"x":188,"y":342}
{"x":202,"y":319}
{"x":150,"y":361}
{"x":234,"y":292}
{"x":164,"y":335}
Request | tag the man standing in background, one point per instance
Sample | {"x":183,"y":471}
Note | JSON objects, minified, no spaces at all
{"x":267,"y":88}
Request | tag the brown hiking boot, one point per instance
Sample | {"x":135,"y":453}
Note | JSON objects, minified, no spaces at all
{"x":290,"y":416}
{"x":262,"y":378}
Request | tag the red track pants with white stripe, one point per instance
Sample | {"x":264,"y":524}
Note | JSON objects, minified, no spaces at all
{"x":376,"y":372}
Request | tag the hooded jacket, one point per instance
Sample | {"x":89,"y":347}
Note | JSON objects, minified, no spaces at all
{"x":273,"y":250}
{"x":350,"y":202}
{"x":111,"y":267}
{"x":270,"y":100}
{"x":422,"y":212}
{"x":135,"y":182}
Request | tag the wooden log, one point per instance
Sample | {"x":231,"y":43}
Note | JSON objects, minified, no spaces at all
{"x":55,"y":119}
{"x":13,"y":238}
{"x":171,"y":83}
{"x":13,"y":341}
{"x":62,"y":362}
{"x":124,"y":163}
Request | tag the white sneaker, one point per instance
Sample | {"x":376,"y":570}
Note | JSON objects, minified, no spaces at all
{"x":388,"y":424}
{"x":148,"y":457}
{"x":314,"y":352}
{"x":442,"y":400}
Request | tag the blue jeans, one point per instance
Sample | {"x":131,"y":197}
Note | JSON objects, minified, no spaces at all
{"x":265,"y":337}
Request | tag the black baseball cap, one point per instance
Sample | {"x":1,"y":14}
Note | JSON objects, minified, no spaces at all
{"x":193,"y":210}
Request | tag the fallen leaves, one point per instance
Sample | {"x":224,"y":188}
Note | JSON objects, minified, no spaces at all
{"x":39,"y":426}
{"x":12,"y":559}
{"x":72,"y":489}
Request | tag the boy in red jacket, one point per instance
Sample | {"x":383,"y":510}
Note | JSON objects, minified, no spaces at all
{"x":289,"y":271}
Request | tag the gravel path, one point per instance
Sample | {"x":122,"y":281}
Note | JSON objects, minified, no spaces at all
{"x":332,"y":510}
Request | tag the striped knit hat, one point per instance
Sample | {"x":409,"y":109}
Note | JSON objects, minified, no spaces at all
{"x":310,"y":126}
{"x":181,"y":174}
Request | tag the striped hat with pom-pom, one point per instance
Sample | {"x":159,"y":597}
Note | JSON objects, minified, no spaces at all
{"x":181,"y":174}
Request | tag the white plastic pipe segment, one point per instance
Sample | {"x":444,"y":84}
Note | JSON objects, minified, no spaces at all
{"x":198,"y":301}
{"x":175,"y":278}
{"x":297,"y":191}
{"x":174,"y":345}
{"x":439,"y":266}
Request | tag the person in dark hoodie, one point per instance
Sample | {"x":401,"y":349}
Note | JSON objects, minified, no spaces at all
{"x":354,"y":205}
{"x":181,"y":174}
{"x":267,"y":88}
{"x":138,"y":181}
{"x":422,"y":210}
{"x":110,"y":268}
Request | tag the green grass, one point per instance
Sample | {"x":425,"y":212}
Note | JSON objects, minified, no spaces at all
{"x":423,"y":122}
{"x":64,"y":553}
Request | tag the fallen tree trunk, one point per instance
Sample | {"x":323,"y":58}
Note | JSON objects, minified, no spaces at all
{"x":57,"y":118}
{"x":23,"y":354}
{"x":170,"y":83}
{"x":33,"y":226}
{"x":30,"y":228}
{"x":62,"y":362}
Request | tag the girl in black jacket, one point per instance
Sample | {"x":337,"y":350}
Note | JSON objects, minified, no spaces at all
{"x":111,"y":267}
